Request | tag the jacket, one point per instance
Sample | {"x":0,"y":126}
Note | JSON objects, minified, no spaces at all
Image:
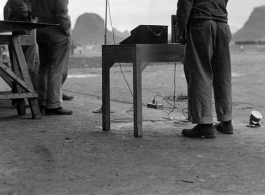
{"x":52,"y":12}
{"x":200,"y":9}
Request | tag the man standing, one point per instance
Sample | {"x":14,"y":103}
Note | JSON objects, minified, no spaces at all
{"x":203,"y":28}
{"x":54,"y":50}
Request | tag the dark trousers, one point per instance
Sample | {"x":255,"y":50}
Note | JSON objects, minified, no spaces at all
{"x":207,"y":66}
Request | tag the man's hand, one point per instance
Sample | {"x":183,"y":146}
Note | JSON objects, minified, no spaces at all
{"x":181,"y":36}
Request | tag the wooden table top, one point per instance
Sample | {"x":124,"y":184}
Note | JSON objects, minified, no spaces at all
{"x":10,"y":26}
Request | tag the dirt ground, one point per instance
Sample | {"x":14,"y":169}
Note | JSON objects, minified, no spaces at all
{"x":59,"y":155}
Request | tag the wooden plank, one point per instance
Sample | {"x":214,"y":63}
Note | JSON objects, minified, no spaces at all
{"x":7,"y":71}
{"x":118,"y":53}
{"x":23,"y":39}
{"x":34,"y":107}
{"x":162,"y":52}
{"x":6,"y":78}
{"x":26,"y":40}
{"x":10,"y":95}
{"x":5,"y":61}
{"x":12,"y":26}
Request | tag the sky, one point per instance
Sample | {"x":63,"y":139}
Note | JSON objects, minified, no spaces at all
{"x":128,"y":14}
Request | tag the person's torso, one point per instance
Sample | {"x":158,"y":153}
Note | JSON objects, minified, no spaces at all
{"x":46,"y":10}
{"x":209,"y":9}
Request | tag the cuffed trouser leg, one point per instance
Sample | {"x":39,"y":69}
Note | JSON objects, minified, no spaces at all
{"x":53,"y":48}
{"x":66,"y":60}
{"x":221,"y":64}
{"x":207,"y":63}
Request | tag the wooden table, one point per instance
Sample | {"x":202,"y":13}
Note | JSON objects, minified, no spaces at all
{"x":140,"y":55}
{"x":17,"y":76}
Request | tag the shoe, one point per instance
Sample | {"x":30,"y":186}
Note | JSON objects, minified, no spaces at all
{"x":67,"y":97}
{"x":200,"y":130}
{"x":225,"y":127}
{"x":100,"y":111}
{"x":43,"y":110}
{"x":58,"y":111}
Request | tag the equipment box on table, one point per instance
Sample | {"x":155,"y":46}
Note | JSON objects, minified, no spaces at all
{"x":148,"y":34}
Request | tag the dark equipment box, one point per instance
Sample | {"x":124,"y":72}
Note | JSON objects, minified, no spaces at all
{"x":148,"y":34}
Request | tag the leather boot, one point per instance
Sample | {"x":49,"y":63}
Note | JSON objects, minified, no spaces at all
{"x":225,"y":127}
{"x":200,"y":130}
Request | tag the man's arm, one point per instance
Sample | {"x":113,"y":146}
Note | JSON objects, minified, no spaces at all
{"x":62,"y":16}
{"x":20,"y":7}
{"x":183,"y":14}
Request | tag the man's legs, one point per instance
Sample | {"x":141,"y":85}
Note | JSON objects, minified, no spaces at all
{"x":65,"y":69}
{"x":55,"y":74}
{"x":52,"y":47}
{"x":221,"y":64}
{"x":66,"y":60}
{"x":198,"y":70}
{"x":207,"y":60}
{"x":43,"y":43}
{"x":199,"y":75}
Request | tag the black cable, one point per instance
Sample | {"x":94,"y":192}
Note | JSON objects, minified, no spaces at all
{"x":126,"y":80}
{"x":174,"y":90}
{"x":87,"y":94}
{"x":184,"y":113}
{"x":113,"y":35}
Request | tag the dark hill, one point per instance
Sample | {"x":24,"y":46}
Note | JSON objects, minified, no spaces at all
{"x":89,"y":28}
{"x":254,"y":28}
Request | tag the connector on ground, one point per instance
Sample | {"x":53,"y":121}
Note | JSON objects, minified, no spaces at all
{"x":155,"y":106}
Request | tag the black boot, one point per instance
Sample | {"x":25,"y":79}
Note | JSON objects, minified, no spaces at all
{"x":200,"y":130}
{"x":58,"y":111}
{"x":225,"y":127}
{"x":67,"y":97}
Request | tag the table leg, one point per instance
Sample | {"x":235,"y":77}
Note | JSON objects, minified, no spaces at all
{"x":105,"y":95}
{"x":18,"y":103}
{"x":137,"y":95}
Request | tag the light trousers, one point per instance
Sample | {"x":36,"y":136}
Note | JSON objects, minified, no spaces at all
{"x":54,"y":50}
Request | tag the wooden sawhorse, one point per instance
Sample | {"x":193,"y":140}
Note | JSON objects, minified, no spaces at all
{"x":140,"y":55}
{"x":17,"y":77}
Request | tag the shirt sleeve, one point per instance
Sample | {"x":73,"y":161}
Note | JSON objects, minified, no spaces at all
{"x":33,"y":11}
{"x":62,"y":16}
{"x":183,"y":13}
{"x":20,"y":7}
